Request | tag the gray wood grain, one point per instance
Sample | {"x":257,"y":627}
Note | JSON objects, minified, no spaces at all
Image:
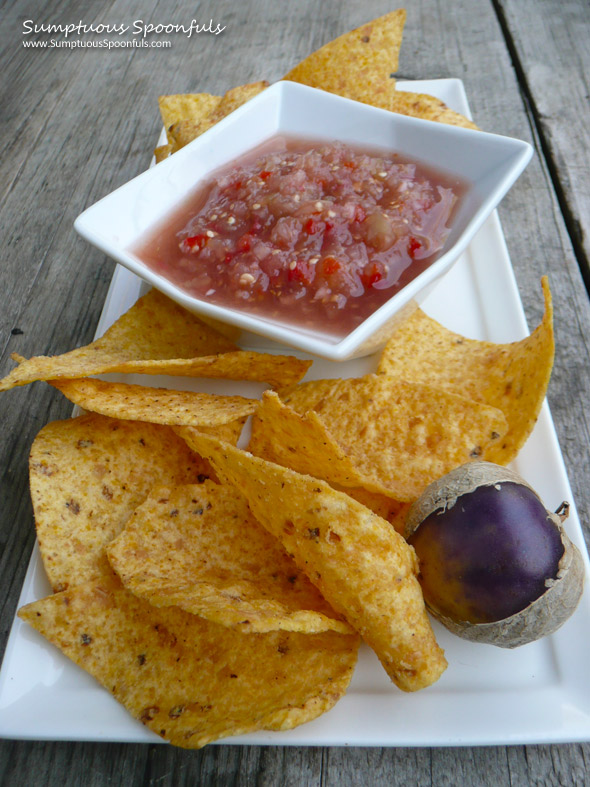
{"x":76,"y":124}
{"x":552,"y":57}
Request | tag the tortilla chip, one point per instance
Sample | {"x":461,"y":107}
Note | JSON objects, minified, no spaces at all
{"x":187,"y":128}
{"x":276,"y":370}
{"x":300,"y":442}
{"x":155,"y":405}
{"x":187,"y":679}
{"x":231,"y":332}
{"x":399,"y":435}
{"x":393,"y":511}
{"x":362,"y":567}
{"x":230,"y":432}
{"x":357,"y":65}
{"x":512,"y":377}
{"x":162,"y":152}
{"x":234,"y":98}
{"x":87,"y":476}
{"x":420,"y":105}
{"x":186,"y":106}
{"x":199,"y":548}
{"x":155,"y":328}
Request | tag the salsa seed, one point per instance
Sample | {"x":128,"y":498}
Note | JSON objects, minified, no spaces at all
{"x":231,"y":220}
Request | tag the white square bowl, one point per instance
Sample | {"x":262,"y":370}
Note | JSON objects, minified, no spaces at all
{"x":488,"y":163}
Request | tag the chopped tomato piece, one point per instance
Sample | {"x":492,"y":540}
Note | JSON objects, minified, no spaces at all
{"x":331,"y":265}
{"x":302,"y":272}
{"x":265,"y":174}
{"x":370,"y":275}
{"x":312,"y":226}
{"x":413,"y":246}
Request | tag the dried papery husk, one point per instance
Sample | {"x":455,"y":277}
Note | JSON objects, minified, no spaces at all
{"x":541,"y":617}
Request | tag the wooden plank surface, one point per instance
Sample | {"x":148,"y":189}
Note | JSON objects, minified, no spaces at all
{"x":551,"y":54}
{"x":76,"y":124}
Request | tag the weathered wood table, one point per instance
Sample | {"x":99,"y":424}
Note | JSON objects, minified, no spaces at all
{"x":76,"y":123}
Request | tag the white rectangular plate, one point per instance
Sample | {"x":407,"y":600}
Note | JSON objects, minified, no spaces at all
{"x":536,"y":694}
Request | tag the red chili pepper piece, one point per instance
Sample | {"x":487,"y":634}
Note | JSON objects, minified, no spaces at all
{"x":197,"y":241}
{"x":413,"y":246}
{"x":265,"y":174}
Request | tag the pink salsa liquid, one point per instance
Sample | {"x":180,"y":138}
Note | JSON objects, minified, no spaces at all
{"x":318,"y":235}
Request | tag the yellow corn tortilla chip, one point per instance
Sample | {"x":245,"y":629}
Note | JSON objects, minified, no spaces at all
{"x":234,"y":98}
{"x":359,"y":64}
{"x":421,"y":105}
{"x":190,"y":108}
{"x":300,"y":442}
{"x":162,"y":152}
{"x":199,"y":548}
{"x":230,"y":432}
{"x":154,"y":329}
{"x":186,"y":106}
{"x":393,"y":511}
{"x":307,"y":396}
{"x":155,"y":405}
{"x":512,"y":377}
{"x":231,"y":332}
{"x":87,"y":476}
{"x":192,"y":125}
{"x":276,"y":370}
{"x":359,"y":563}
{"x":401,"y":435}
{"x":187,"y":679}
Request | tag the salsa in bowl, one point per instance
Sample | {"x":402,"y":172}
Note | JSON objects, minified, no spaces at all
{"x":308,"y":218}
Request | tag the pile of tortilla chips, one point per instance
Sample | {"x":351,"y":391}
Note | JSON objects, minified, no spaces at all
{"x":359,"y":65}
{"x":216,"y":591}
